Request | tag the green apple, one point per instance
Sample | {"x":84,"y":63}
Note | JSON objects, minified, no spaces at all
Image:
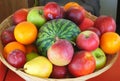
{"x":35,"y":16}
{"x":31,"y":55}
{"x":100,"y":58}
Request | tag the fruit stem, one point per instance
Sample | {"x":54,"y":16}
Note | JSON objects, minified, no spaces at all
{"x":56,"y":38}
{"x":73,"y":43}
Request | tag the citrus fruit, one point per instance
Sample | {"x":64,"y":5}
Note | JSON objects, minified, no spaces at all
{"x":71,"y":4}
{"x":12,"y":46}
{"x":25,"y":32}
{"x":110,"y":42}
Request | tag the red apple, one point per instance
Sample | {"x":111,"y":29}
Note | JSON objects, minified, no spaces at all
{"x":59,"y":72}
{"x":96,"y":30}
{"x":17,"y":58}
{"x":7,"y":35}
{"x":87,"y":40}
{"x":61,"y":52}
{"x":20,"y":16}
{"x":86,"y":23}
{"x":105,"y":24}
{"x":75,"y":14}
{"x":62,"y":12}
{"x":53,"y":11}
{"x":83,"y":63}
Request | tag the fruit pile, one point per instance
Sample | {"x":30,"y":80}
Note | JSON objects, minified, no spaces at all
{"x":59,"y":42}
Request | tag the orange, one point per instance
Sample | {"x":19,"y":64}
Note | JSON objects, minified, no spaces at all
{"x":110,"y":42}
{"x":71,"y":4}
{"x":31,"y":48}
{"x":12,"y":46}
{"x":25,"y":32}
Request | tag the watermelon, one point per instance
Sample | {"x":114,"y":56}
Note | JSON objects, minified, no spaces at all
{"x":56,"y":28}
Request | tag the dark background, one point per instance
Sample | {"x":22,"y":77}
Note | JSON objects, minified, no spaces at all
{"x":118,"y":17}
{"x":7,"y":7}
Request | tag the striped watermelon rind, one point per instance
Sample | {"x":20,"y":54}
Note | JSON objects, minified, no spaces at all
{"x":61,"y":28}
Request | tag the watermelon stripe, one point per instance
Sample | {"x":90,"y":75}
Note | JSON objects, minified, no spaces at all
{"x":68,"y":29}
{"x":50,"y":28}
{"x":44,"y":39}
{"x":62,"y":28}
{"x":54,"y":26}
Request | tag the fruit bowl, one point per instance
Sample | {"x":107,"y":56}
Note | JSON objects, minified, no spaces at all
{"x":110,"y":59}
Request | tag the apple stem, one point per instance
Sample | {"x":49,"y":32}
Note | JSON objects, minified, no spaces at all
{"x":73,"y":43}
{"x":56,"y":38}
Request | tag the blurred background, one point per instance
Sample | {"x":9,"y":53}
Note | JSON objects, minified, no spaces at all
{"x":7,"y":7}
{"x":107,"y":7}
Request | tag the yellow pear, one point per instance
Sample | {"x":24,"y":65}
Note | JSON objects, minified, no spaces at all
{"x":39,"y":66}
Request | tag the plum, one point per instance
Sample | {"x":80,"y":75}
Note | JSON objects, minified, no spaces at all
{"x":59,"y":71}
{"x":7,"y":35}
{"x":17,"y":58}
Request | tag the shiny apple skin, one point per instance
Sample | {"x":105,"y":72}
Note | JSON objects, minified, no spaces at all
{"x":53,"y":11}
{"x":75,"y":14}
{"x":83,"y":63}
{"x":105,"y":24}
{"x":61,"y":52}
{"x":87,"y":40}
{"x":20,"y":16}
{"x":86,"y":24}
{"x":96,"y":30}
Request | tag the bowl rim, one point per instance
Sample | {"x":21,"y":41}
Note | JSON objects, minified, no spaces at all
{"x":28,"y":77}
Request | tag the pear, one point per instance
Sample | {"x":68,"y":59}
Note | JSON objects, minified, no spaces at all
{"x":39,"y":67}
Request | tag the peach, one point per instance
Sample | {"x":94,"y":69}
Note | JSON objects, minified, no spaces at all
{"x":61,"y":52}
